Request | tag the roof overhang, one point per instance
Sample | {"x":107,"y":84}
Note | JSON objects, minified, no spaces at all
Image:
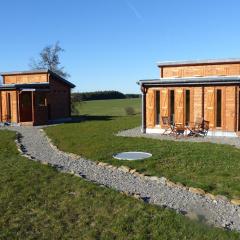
{"x":194,"y":81}
{"x":197,"y":62}
{"x":29,"y":86}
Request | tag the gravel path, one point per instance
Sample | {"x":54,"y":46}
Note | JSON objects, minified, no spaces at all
{"x":136,"y":132}
{"x":219,"y":212}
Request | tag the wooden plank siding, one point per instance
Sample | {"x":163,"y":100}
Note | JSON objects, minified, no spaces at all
{"x":230,"y":108}
{"x":202,"y":105}
{"x":26,"y":78}
{"x":179,"y":106}
{"x":57,"y":103}
{"x":150,"y":108}
{"x":164,"y":102}
{"x":59,"y":99}
{"x":13,"y":104}
{"x":201,"y":71}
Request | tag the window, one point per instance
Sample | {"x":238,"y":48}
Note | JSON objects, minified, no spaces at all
{"x":219,"y":108}
{"x":40,"y":100}
{"x":172,"y":105}
{"x":157,"y":104}
{"x":187,"y":107}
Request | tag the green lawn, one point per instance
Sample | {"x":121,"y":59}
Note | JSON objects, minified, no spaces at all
{"x":114,"y":107}
{"x":37,"y":202}
{"x":212,"y":167}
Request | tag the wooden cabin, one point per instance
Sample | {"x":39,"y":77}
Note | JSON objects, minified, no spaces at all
{"x":187,"y":90}
{"x":34,"y":97}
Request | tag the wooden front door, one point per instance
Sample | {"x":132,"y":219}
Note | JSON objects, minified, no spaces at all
{"x":25,"y":102}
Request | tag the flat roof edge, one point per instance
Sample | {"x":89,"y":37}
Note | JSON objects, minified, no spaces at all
{"x":197,"y":62}
{"x":24,"y":72}
{"x":201,"y":80}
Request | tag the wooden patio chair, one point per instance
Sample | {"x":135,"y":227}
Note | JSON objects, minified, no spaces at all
{"x":200,"y":129}
{"x":167,"y":125}
{"x":204,"y":129}
{"x":179,"y":130}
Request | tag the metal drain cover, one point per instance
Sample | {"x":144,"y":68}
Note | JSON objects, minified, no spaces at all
{"x":131,"y":156}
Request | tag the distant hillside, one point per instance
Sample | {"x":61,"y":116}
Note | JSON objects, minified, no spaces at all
{"x":101,"y":95}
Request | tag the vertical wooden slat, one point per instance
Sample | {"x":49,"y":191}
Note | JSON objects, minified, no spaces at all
{"x":179,"y":106}
{"x":197,"y":103}
{"x":230,"y":110}
{"x":164,"y":111}
{"x":209,"y":109}
{"x":150,"y":108}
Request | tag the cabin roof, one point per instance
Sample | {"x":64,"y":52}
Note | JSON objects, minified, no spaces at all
{"x":197,"y":62}
{"x":71,"y":85}
{"x":214,"y":80}
{"x":44,"y":85}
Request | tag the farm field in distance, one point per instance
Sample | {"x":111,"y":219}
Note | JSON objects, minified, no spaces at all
{"x":114,"y":107}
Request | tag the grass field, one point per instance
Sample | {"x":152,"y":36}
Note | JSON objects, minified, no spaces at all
{"x":212,"y":167}
{"x":109,"y":107}
{"x":37,"y":202}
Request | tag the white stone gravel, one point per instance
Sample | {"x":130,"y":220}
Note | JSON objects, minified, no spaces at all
{"x":218,"y":213}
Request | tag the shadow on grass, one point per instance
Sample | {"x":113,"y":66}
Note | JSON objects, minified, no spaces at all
{"x":84,"y":118}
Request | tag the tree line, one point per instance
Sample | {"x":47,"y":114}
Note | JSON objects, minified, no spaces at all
{"x":101,"y":95}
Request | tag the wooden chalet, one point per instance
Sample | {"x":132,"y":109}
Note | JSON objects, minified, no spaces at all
{"x":187,"y":90}
{"x":34,"y":97}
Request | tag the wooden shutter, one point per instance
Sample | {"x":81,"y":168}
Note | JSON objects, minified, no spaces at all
{"x":197,"y":103}
{"x":164,"y":103}
{"x":230,"y":109}
{"x":150,"y":108}
{"x":209,"y":102}
{"x":179,"y":106}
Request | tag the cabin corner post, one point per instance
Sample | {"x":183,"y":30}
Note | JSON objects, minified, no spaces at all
{"x":144,"y":91}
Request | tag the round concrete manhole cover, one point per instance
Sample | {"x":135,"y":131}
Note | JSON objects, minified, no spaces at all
{"x":131,"y":156}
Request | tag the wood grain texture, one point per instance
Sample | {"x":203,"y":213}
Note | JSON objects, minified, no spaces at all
{"x":201,"y":71}
{"x":164,"y":100}
{"x":26,"y":78}
{"x":179,"y":105}
{"x":150,"y":108}
{"x":209,"y":106}
{"x":230,"y":109}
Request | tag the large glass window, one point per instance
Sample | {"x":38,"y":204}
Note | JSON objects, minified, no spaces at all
{"x":219,"y":108}
{"x":157,"y":104}
{"x":172,"y":105}
{"x":187,"y":107}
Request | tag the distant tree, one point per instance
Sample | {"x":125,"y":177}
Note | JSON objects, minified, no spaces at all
{"x":49,"y":59}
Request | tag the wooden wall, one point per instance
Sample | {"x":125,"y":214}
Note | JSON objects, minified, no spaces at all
{"x":14,"y":105}
{"x":201,"y":70}
{"x":27,"y":78}
{"x":59,"y":99}
{"x":202,"y":104}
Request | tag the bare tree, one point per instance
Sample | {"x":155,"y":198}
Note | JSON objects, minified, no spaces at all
{"x":50,"y":59}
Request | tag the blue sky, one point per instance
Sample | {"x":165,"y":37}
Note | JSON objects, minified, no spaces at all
{"x":110,"y":44}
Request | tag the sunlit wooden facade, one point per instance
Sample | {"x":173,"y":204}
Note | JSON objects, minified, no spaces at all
{"x":189,"y":90}
{"x":34,"y":97}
